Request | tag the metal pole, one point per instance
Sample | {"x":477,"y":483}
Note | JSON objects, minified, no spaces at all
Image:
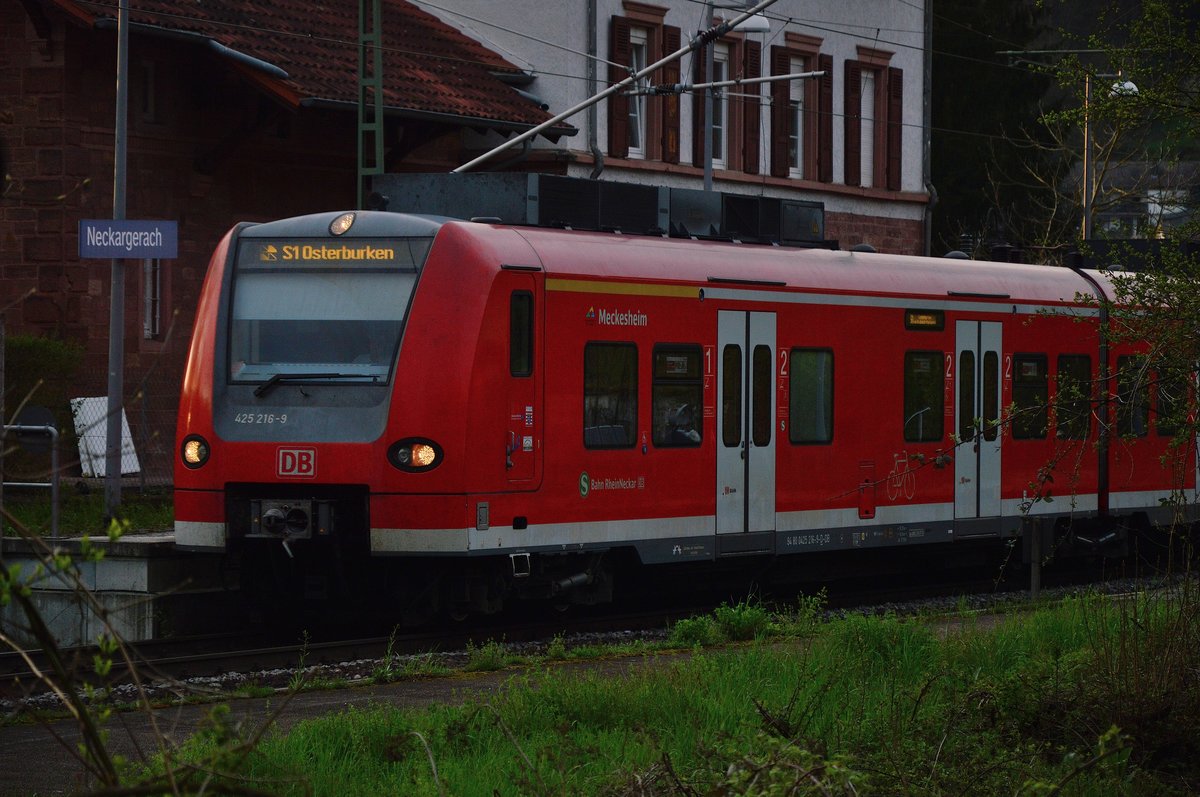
{"x":708,"y":102}
{"x":698,"y":41}
{"x":116,"y":316}
{"x":1088,"y":167}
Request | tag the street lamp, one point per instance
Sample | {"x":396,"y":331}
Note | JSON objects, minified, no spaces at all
{"x":1121,"y":88}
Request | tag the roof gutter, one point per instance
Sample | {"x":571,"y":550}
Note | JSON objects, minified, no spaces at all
{"x":444,"y":118}
{"x":106,"y":23}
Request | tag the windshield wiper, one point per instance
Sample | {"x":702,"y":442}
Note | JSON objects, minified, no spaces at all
{"x":276,"y":379}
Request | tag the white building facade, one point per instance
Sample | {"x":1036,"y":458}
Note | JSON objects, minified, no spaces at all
{"x":854,"y":139}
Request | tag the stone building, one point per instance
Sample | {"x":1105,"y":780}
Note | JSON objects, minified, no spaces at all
{"x":245,"y":112}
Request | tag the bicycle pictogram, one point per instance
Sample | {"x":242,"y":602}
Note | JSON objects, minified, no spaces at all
{"x":902,"y":479}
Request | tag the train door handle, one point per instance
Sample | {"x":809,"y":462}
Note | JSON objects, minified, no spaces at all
{"x":743,"y":452}
{"x":509,"y":449}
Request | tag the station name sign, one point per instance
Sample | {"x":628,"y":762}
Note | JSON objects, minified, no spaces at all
{"x":128,"y":238}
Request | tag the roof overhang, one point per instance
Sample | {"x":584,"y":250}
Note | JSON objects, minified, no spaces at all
{"x":498,"y":125}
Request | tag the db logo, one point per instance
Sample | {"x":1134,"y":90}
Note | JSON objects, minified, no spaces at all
{"x":296,"y":463}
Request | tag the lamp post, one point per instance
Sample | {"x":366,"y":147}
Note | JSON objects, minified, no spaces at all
{"x":1121,"y":88}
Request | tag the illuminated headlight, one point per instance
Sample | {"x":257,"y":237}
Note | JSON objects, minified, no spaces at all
{"x":195,"y":451}
{"x":342,"y":224}
{"x":415,"y":455}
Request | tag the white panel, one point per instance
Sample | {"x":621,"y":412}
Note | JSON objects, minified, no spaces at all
{"x":91,"y":427}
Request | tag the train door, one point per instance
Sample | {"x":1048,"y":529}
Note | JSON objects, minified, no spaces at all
{"x":745,"y":422}
{"x":976,"y":419}
{"x":522,"y":438}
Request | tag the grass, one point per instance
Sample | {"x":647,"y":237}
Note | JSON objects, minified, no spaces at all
{"x":80,"y":513}
{"x":1089,"y":697}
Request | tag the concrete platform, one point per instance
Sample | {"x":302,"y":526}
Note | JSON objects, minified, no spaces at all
{"x":144,"y":587}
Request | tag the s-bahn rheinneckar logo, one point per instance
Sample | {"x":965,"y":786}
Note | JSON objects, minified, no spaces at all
{"x":296,"y":463}
{"x":268,"y":253}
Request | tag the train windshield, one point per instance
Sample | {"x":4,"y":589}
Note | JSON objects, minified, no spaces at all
{"x":318,"y":310}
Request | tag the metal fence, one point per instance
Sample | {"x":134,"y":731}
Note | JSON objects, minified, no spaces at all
{"x":79,"y":409}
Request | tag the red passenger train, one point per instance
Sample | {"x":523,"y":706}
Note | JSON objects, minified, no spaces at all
{"x":473,"y":411}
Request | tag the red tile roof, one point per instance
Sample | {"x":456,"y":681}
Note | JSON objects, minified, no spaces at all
{"x":429,"y":68}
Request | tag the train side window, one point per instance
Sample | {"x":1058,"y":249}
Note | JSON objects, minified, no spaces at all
{"x":731,"y":396}
{"x":810,"y":391}
{"x":966,"y":396}
{"x":923,"y":421}
{"x":609,"y":395}
{"x":762,"y":385}
{"x":991,"y":395}
{"x":1133,"y":397}
{"x":1030,"y":396}
{"x":1073,"y":397}
{"x":1170,"y":403}
{"x":520,"y":334}
{"x":677,"y":395}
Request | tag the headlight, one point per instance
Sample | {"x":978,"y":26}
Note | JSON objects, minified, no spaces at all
{"x":194,"y":451}
{"x":415,"y":454}
{"x":341,"y":224}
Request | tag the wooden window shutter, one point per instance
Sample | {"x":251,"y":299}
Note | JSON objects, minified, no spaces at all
{"x":618,"y":104}
{"x":852,"y":113}
{"x":670,"y":102}
{"x":698,"y":109}
{"x":895,"y":123}
{"x":781,"y":64}
{"x":825,"y":120}
{"x":751,"y":106}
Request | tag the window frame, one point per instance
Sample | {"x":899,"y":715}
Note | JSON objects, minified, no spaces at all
{"x":1039,"y":427}
{"x":935,"y":409}
{"x":827,"y":399}
{"x":816,"y":126}
{"x":1140,"y":389}
{"x":528,"y":330}
{"x":883,"y":145}
{"x":1067,"y":428}
{"x":630,"y":395}
{"x":694,"y":383}
{"x":660,"y":113}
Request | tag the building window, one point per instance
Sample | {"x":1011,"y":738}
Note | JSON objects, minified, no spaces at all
{"x":801,"y":121}
{"x":147,"y":92}
{"x":720,"y":107}
{"x":638,"y":43}
{"x":795,"y":120}
{"x":810,"y":395}
{"x":609,"y":395}
{"x":874,"y":107}
{"x":923,"y":396}
{"x":677,"y":396}
{"x":639,"y":125}
{"x":735,"y":141}
{"x":866,"y":127}
{"x":152,"y":299}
